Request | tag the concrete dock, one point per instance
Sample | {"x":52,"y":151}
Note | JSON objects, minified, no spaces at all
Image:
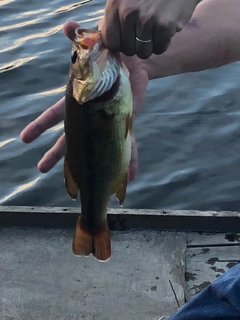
{"x":150,"y":272}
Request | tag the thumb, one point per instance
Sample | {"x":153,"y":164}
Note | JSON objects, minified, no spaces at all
{"x":69,"y":29}
{"x":100,"y":24}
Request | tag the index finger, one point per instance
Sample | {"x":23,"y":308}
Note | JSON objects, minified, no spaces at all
{"x":110,"y":27}
{"x":46,"y":120}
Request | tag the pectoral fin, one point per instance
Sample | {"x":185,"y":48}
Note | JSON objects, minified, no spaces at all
{"x":128,"y":125}
{"x":69,"y":182}
{"x":121,"y":189}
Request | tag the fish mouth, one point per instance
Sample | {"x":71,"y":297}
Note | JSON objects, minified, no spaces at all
{"x":87,"y":38}
{"x":97,"y":73}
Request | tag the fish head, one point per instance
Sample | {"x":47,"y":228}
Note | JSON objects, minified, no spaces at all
{"x":85,"y":43}
{"x":94,"y":68}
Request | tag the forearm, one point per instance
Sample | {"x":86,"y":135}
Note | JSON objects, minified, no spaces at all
{"x":211,"y":39}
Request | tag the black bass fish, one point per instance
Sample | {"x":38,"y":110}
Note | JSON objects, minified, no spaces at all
{"x":98,"y":121}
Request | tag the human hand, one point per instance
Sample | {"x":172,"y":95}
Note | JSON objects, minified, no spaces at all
{"x":153,"y":21}
{"x":55,"y":113}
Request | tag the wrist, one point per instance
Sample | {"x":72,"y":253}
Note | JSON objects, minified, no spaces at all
{"x":167,"y":64}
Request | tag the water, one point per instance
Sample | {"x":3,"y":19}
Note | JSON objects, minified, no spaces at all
{"x":188,"y":130}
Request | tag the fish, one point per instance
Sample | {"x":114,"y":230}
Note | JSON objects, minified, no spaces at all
{"x":98,"y":130}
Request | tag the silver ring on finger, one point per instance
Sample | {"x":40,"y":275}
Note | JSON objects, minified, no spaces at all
{"x":143,"y":41}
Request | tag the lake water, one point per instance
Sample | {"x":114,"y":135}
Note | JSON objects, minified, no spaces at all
{"x":188,"y":130}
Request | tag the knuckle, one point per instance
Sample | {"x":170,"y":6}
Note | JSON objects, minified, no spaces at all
{"x":179,"y":26}
{"x":167,"y":25}
{"x":128,"y":53}
{"x":128,"y":12}
{"x":113,"y":4}
{"x":172,"y":28}
{"x":144,"y":55}
{"x":160,"y":44}
{"x":158,"y":51}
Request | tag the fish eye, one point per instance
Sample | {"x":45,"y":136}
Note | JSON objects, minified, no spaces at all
{"x":74,"y":57}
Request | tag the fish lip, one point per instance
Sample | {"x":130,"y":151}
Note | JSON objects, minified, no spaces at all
{"x":80,"y":30}
{"x":84,"y":52}
{"x":81,"y":33}
{"x":78,"y":33}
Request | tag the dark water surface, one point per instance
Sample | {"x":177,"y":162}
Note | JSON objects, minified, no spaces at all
{"x":188,"y":131}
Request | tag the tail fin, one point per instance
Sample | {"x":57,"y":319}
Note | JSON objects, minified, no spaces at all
{"x":85,"y":243}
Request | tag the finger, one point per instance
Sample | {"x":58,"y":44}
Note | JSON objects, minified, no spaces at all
{"x":53,"y":155}
{"x":179,"y":27}
{"x":161,"y":38}
{"x":100,"y":24}
{"x":46,"y":120}
{"x":184,"y":15}
{"x":110,"y":27}
{"x":133,"y":166}
{"x":128,"y":34}
{"x":144,"y":32}
{"x":69,"y":29}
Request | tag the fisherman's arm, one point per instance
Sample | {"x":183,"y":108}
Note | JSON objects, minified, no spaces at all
{"x":209,"y":40}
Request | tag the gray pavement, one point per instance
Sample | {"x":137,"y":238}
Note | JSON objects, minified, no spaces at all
{"x":40,"y":278}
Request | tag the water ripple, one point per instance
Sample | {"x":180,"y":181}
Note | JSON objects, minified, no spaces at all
{"x":15,"y":64}
{"x":188,"y":136}
{"x":71,"y":6}
{"x":31,"y":13}
{"x":20,"y":189}
{"x":19,"y":25}
{"x":5,"y":142}
{"x":4,"y":2}
{"x":51,"y":91}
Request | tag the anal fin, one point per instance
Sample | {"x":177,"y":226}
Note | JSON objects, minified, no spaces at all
{"x":121,"y":189}
{"x":96,"y":243}
{"x":69,"y":182}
